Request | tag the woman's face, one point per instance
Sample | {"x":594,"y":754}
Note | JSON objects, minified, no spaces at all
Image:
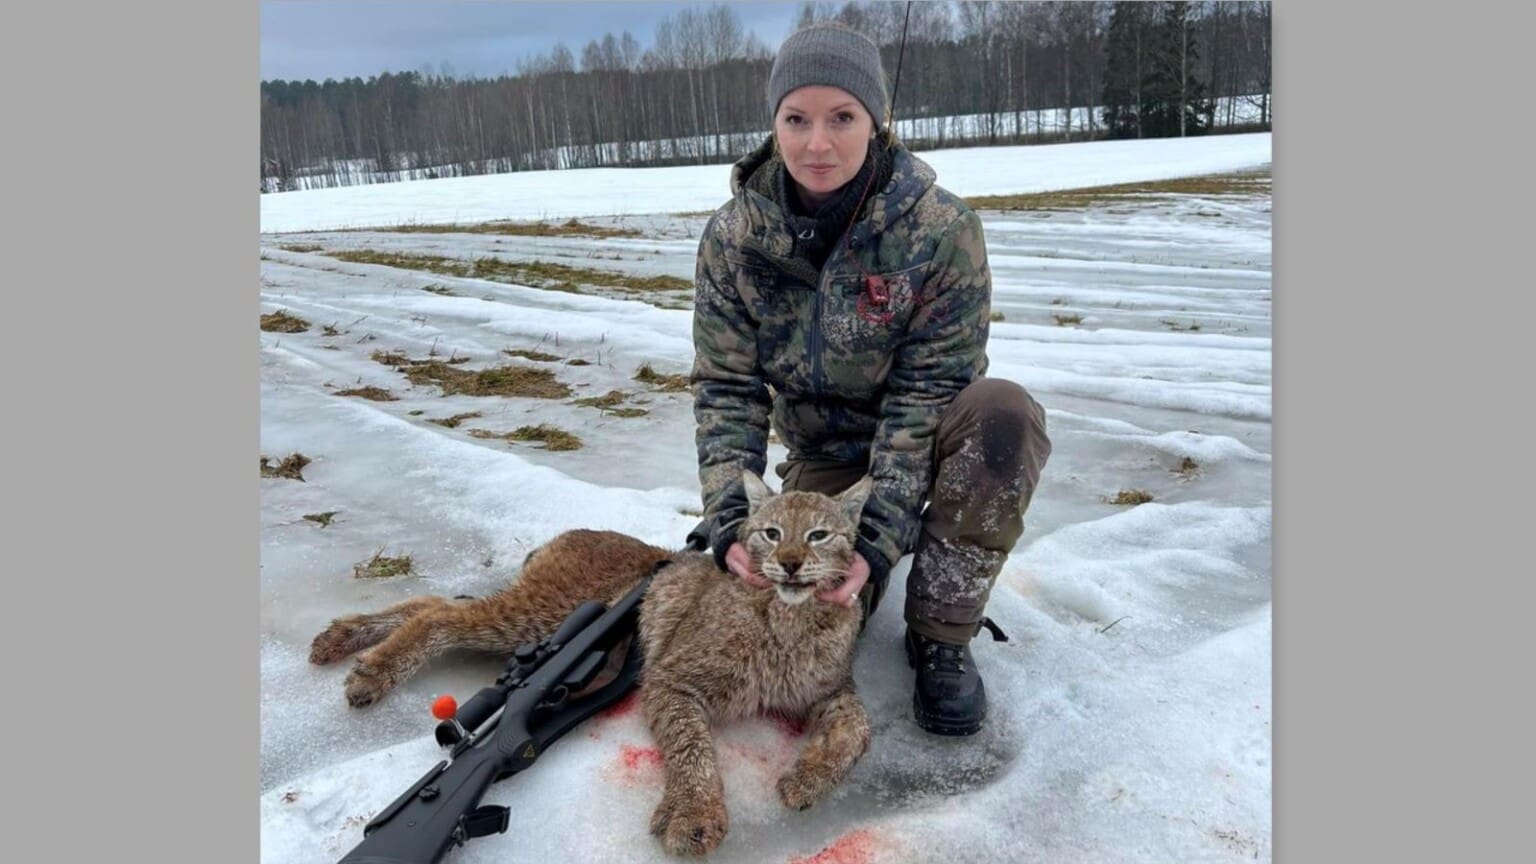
{"x":823,"y":135}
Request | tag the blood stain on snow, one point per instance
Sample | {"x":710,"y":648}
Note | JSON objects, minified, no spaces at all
{"x":640,"y":758}
{"x":857,"y":847}
{"x":623,"y":707}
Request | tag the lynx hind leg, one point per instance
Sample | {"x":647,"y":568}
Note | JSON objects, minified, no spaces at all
{"x":353,"y":633}
{"x":838,"y":734}
{"x":493,"y":625}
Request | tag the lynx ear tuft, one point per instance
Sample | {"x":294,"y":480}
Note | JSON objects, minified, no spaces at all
{"x":854,"y":497}
{"x":757,"y":491}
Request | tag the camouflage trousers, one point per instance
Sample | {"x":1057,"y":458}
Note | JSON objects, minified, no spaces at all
{"x":989,"y":450}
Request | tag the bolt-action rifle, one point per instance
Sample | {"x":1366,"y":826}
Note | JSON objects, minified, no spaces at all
{"x":499,"y":732}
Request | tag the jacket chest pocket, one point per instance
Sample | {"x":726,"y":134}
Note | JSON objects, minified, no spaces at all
{"x":863,"y":325}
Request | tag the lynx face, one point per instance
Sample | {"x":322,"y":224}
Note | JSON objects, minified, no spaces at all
{"x":801,"y":541}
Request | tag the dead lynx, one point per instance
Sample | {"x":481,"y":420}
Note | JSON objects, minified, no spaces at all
{"x":714,"y":649}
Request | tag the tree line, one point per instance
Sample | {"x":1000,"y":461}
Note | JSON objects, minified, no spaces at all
{"x":971,"y":72}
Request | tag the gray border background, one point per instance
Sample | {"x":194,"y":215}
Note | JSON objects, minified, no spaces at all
{"x":131,"y":616}
{"x":1400,"y":201}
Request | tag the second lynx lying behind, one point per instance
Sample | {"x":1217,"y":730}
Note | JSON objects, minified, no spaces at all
{"x":714,"y":648}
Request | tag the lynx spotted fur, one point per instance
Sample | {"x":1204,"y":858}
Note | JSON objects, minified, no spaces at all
{"x":714,"y":648}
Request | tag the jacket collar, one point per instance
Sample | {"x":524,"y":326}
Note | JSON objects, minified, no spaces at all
{"x":763,"y":220}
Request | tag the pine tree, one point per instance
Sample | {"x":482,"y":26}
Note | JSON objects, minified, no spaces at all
{"x":1174,"y":101}
{"x":1124,"y":50}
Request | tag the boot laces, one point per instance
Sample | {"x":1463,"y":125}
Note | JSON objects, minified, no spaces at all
{"x":942,"y":656}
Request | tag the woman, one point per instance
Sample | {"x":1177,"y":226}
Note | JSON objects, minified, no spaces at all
{"x":843,"y":291}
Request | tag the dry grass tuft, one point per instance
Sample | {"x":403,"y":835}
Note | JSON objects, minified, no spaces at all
{"x":665,"y":383}
{"x":381,"y":567}
{"x":498,"y":381}
{"x":997,"y":316}
{"x":323,"y":519}
{"x":377,"y":394}
{"x":553,"y":437}
{"x":291,"y":468}
{"x":1130,"y":497}
{"x":454,"y":421}
{"x":526,"y":354}
{"x":1064,"y":320}
{"x":626,"y":412}
{"x":1187,"y":468}
{"x":281,"y":322}
{"x":443,"y":290}
{"x":578,"y":362}
{"x":1192,"y":327}
{"x":607,"y":400}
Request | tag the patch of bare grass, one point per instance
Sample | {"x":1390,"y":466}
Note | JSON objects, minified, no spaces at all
{"x":526,"y":354}
{"x":608,"y":400}
{"x":321,"y":519}
{"x":665,"y":383}
{"x":454,"y":421}
{"x":997,"y":316}
{"x":552,"y":437}
{"x":290,"y":468}
{"x":568,"y":228}
{"x":381,"y":566}
{"x":1130,"y":497}
{"x":498,"y":381}
{"x":1063,"y":320}
{"x":299,"y":247}
{"x":442,"y":290}
{"x":1191,"y":327}
{"x":577,"y":361}
{"x":377,"y":394}
{"x":282,"y":322}
{"x":1187,"y":468}
{"x":329,"y":330}
{"x":1251,"y":184}
{"x":541,"y":274}
{"x":625,"y":412}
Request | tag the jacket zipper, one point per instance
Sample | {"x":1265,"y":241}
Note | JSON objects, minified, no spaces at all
{"x":816,"y":285}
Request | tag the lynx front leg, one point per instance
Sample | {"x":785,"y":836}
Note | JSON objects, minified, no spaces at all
{"x":838,"y":735}
{"x":691,"y":818}
{"x":353,"y":633}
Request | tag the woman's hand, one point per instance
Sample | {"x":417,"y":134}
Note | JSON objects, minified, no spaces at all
{"x":740,"y":564}
{"x":846,"y":594}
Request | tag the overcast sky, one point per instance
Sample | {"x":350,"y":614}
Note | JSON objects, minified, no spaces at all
{"x":322,"y":39}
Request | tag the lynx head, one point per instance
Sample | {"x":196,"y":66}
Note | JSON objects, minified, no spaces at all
{"x":801,"y":541}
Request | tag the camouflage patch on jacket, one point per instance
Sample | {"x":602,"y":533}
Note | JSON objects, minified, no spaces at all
{"x":846,"y":370}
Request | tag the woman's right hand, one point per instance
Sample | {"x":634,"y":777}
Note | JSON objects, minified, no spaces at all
{"x":740,"y":564}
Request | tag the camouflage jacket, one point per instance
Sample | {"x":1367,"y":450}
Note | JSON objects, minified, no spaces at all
{"x":849,"y":372}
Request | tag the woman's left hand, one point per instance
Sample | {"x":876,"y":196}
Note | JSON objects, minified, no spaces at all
{"x":847,"y":593}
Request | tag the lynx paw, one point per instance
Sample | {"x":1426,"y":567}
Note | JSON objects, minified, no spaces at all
{"x":334,"y":642}
{"x":690,"y":828}
{"x":365,"y":685}
{"x":798,"y":791}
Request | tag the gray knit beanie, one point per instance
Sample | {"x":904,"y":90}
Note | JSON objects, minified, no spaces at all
{"x":832,"y":55}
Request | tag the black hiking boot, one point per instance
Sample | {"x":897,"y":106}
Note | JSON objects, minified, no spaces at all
{"x":949,"y":698}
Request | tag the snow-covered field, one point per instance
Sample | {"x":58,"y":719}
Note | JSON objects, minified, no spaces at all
{"x":1132,"y":706}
